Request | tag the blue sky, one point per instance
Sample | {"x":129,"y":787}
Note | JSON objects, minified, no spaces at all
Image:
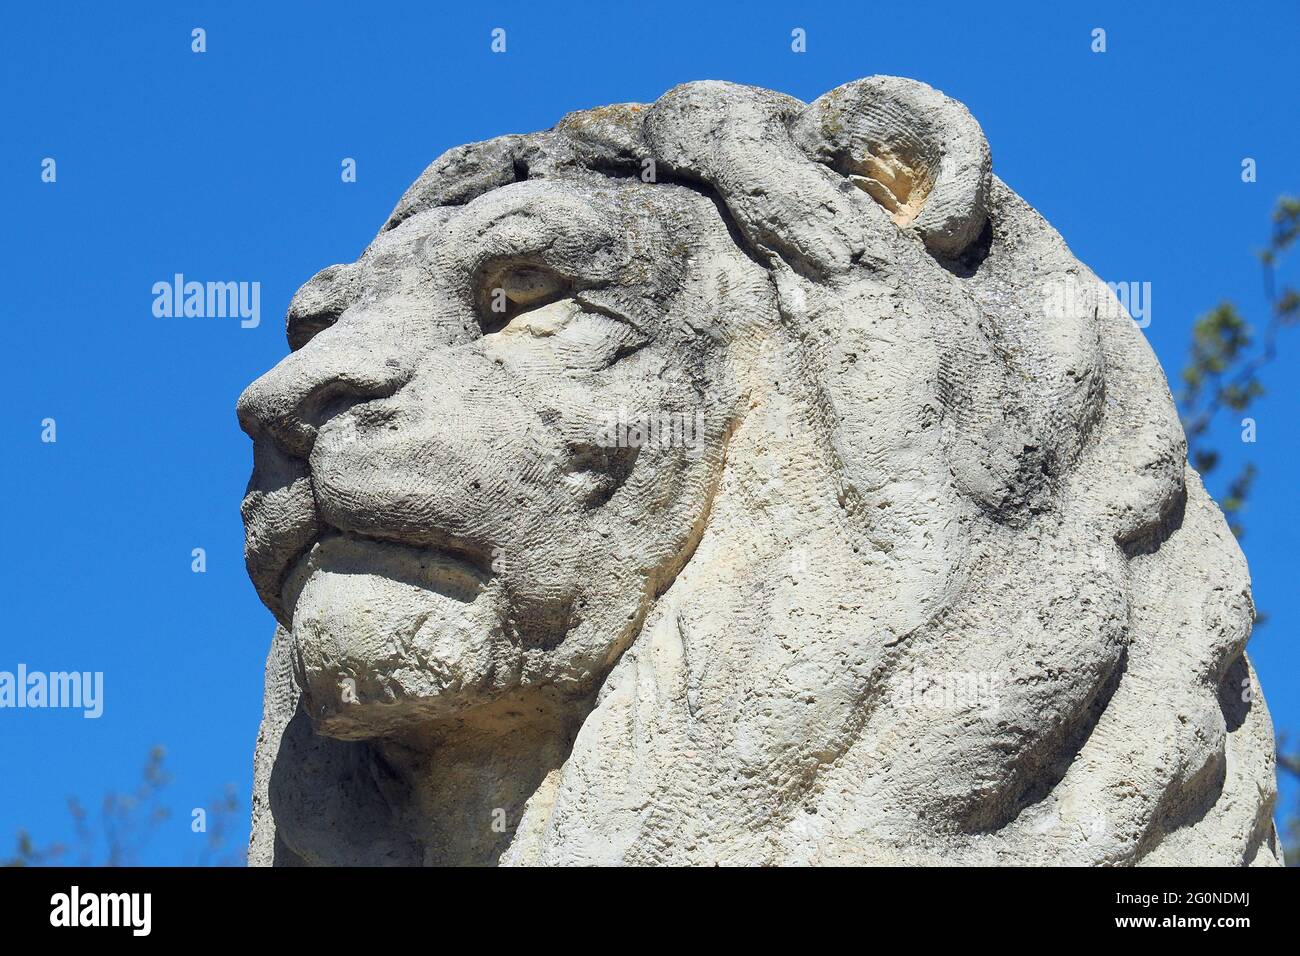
{"x":225,"y":166}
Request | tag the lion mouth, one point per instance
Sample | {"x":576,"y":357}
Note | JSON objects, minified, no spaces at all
{"x":443,"y":570}
{"x":284,"y":528}
{"x":386,"y":636}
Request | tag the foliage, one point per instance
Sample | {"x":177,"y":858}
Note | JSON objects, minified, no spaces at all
{"x":125,"y":824}
{"x":1226,"y":358}
{"x":1222,"y":376}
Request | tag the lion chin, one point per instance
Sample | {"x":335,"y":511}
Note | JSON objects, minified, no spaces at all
{"x":803,"y":500}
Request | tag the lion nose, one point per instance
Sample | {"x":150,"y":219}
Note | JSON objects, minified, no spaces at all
{"x":338,"y":369}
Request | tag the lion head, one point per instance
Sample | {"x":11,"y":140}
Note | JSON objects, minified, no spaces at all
{"x":712,"y":481}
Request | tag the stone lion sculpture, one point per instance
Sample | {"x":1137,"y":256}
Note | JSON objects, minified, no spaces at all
{"x":715,"y":481}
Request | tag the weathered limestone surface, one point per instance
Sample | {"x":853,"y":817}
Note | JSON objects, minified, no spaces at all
{"x":737,"y":480}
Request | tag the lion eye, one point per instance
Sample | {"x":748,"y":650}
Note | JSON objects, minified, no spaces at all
{"x":530,"y":285}
{"x":509,"y":290}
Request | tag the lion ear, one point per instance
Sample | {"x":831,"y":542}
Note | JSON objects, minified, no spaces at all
{"x":918,"y":153}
